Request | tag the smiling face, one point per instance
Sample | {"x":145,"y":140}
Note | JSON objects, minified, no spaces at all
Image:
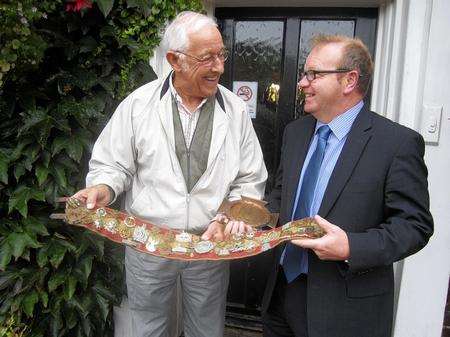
{"x":324,"y":96}
{"x":195,"y":80}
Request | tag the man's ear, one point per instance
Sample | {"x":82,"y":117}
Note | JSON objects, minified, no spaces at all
{"x":351,"y":81}
{"x":174,"y":60}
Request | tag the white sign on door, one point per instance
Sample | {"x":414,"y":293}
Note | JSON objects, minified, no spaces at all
{"x":248,"y":91}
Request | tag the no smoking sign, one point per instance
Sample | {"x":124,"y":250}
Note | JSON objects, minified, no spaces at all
{"x":248,"y":92}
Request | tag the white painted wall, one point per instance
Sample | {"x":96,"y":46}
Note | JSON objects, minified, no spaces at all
{"x":424,"y":281}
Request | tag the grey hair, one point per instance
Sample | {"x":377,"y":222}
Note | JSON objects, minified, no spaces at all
{"x":176,"y":34}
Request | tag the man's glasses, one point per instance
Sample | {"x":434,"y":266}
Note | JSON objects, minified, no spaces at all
{"x":208,"y":59}
{"x":312,"y":74}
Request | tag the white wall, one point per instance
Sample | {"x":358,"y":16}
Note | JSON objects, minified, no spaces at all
{"x":425,"y":275}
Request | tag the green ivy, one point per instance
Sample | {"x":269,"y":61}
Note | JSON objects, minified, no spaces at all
{"x":62,"y":73}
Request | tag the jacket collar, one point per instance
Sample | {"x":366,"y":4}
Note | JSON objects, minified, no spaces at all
{"x":166,"y":85}
{"x":220,"y":123}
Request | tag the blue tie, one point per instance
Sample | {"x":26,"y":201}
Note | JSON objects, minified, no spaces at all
{"x":295,"y":261}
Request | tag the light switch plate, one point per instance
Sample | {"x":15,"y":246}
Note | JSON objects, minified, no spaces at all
{"x":431,"y":124}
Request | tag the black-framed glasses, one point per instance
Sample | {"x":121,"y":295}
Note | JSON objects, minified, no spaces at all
{"x":208,"y":60}
{"x":312,"y":74}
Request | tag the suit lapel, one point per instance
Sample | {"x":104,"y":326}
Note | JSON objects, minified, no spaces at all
{"x":358,"y":137}
{"x":297,"y":153}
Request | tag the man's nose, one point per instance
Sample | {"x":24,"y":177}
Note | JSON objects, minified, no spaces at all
{"x":303,"y":82}
{"x":218,"y":65}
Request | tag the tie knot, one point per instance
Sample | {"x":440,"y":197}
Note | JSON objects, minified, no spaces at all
{"x":324,"y":132}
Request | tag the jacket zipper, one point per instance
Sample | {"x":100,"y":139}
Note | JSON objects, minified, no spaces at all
{"x":188,"y":195}
{"x":188,"y":183}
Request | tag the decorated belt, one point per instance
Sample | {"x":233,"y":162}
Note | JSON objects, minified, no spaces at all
{"x":174,"y":244}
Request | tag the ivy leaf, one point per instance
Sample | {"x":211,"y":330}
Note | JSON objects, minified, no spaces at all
{"x":19,"y":200}
{"x":103,"y":291}
{"x":5,"y":254}
{"x":56,"y":253}
{"x":31,"y":153}
{"x":86,"y":326}
{"x":19,"y":170}
{"x":69,"y":287}
{"x":29,"y":302}
{"x":103,"y":304}
{"x":41,"y":174}
{"x":98,"y":243}
{"x":20,"y":197}
{"x":71,"y":318}
{"x":7,"y":279}
{"x":82,"y":306}
{"x":59,"y":175}
{"x":35,"y":226}
{"x":56,"y":280}
{"x":84,"y":268}
{"x":44,"y":298}
{"x":87,"y":44}
{"x":75,"y":150}
{"x":144,"y":5}
{"x":58,"y":144}
{"x":32,"y":119}
{"x":18,"y":151}
{"x":107,"y":31}
{"x":105,"y":6}
{"x":73,"y":147}
{"x":55,"y":325}
{"x":20,"y":241}
{"x":46,"y":157}
{"x":4,"y":163}
{"x":42,"y":257}
{"x":6,"y":305}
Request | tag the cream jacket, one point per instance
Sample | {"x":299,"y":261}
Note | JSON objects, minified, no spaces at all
{"x":135,"y":154}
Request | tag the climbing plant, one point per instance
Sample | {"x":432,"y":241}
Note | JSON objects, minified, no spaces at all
{"x":64,"y":65}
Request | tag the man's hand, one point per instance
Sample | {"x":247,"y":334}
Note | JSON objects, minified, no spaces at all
{"x":332,"y":246}
{"x":98,"y":195}
{"x":217,"y":232}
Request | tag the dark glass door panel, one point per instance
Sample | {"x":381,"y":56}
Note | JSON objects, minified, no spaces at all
{"x":309,"y":29}
{"x":257,"y":58}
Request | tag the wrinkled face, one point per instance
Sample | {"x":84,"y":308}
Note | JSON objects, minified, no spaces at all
{"x":323,"y":94}
{"x":199,"y":79}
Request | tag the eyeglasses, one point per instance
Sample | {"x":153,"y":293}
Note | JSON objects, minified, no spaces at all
{"x":312,"y":74}
{"x":208,"y":59}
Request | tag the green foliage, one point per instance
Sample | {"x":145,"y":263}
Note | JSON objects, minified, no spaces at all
{"x":63,"y":70}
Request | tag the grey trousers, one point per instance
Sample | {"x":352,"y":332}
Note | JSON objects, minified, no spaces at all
{"x":151,"y":284}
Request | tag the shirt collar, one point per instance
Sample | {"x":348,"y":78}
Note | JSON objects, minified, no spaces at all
{"x":178,"y":97}
{"x":341,"y":125}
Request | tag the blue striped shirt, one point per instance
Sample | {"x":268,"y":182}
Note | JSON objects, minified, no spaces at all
{"x":340,"y":127}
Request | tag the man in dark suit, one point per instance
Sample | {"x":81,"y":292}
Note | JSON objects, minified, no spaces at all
{"x":364,"y":179}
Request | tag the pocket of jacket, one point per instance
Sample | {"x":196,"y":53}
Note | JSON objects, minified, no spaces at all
{"x":368,"y":283}
{"x":141,"y":203}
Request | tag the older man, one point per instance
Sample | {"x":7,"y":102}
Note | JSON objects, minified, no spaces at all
{"x":178,"y":147}
{"x":366,"y":178}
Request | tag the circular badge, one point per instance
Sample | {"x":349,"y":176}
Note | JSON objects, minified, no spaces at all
{"x":100,"y":212}
{"x":129,"y":222}
{"x":203,"y":247}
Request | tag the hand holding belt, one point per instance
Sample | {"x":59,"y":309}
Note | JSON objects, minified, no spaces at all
{"x":151,"y":239}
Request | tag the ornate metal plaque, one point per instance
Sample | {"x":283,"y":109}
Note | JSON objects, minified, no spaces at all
{"x":251,"y":211}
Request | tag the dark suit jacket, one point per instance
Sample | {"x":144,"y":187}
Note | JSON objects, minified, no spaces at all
{"x":378,"y":194}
